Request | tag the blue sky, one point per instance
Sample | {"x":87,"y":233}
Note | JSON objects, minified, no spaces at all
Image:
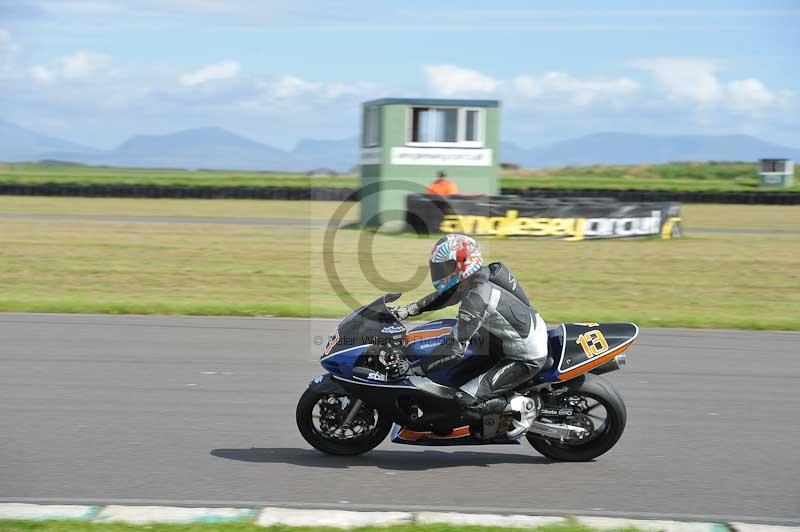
{"x":99,"y":71}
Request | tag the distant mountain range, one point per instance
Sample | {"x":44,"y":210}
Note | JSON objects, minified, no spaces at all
{"x":626,"y":148}
{"x":208,"y":147}
{"x":20,"y":144}
{"x":217,"y":148}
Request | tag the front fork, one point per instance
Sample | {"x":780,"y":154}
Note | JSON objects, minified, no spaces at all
{"x":324,"y":384}
{"x":352,"y":411}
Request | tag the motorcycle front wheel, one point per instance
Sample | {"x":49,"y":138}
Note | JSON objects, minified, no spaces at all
{"x":599,"y":409}
{"x":322,"y":420}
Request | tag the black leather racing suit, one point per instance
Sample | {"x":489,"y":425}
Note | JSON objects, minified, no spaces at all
{"x":492,"y":299}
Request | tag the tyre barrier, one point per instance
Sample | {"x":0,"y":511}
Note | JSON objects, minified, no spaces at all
{"x":634,"y":195}
{"x":340,"y":194}
{"x":175,"y":191}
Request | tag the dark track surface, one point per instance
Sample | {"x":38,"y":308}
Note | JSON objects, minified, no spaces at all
{"x":201,"y":411}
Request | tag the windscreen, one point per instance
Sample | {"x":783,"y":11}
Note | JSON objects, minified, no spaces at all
{"x":371,"y":324}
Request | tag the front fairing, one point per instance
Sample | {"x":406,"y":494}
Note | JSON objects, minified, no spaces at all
{"x":369,"y":325}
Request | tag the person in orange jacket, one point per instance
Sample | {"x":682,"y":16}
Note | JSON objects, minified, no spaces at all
{"x":442,"y":186}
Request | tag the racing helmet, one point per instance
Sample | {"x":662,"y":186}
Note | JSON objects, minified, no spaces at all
{"x":454,"y":258}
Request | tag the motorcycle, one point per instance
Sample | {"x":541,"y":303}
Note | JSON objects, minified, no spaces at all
{"x":566,"y":411}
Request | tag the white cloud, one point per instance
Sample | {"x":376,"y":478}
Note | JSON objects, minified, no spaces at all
{"x":289,"y":86}
{"x":292,"y":90}
{"x":666,"y":94}
{"x":684,"y":79}
{"x":695,"y":81}
{"x":578,"y":92}
{"x":750,"y":93}
{"x":83,"y":7}
{"x":355,"y":89}
{"x":7,"y":44}
{"x":83,"y":65}
{"x":8,"y":50}
{"x":199,"y":5}
{"x":213,"y":72}
{"x":42,"y":75}
{"x":80,"y":66}
{"x":115,"y":7}
{"x":450,"y":80}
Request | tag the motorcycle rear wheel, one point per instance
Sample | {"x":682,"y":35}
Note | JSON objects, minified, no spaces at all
{"x":603,"y":438}
{"x":319,"y":418}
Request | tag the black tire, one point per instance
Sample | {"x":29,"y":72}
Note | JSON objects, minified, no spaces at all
{"x":603,"y":392}
{"x":348,"y":447}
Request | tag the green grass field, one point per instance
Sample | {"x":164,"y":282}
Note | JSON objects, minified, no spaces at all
{"x":317,"y":210}
{"x":703,"y":280}
{"x":694,"y":215}
{"x":35,"y":173}
{"x":78,"y":526}
{"x":673,"y":176}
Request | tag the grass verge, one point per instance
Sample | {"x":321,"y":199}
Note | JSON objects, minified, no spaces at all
{"x":762,"y":217}
{"x":83,"y":526}
{"x":38,"y":173}
{"x":672,"y":176}
{"x":720,"y":177}
{"x":705,"y":280}
{"x":220,"y":208}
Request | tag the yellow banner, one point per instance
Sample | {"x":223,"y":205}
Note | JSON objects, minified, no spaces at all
{"x":511,"y":224}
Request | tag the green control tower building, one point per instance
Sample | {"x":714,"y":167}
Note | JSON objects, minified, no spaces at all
{"x":406,"y":142}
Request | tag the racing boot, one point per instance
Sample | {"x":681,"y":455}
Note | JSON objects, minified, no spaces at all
{"x":476,"y":410}
{"x":495,"y":405}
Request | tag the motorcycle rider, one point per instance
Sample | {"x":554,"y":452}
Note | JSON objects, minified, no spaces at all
{"x":492,"y":299}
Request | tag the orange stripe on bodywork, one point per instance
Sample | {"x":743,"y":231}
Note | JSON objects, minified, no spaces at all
{"x":599,"y":361}
{"x":460,"y":432}
{"x":424,"y":335}
{"x":412,"y":435}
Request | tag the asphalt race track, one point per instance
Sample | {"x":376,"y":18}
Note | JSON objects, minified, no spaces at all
{"x":200,"y":411}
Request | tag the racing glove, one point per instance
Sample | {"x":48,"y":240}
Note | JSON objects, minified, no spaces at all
{"x":404,"y":312}
{"x":398,"y":367}
{"x":405,"y":369}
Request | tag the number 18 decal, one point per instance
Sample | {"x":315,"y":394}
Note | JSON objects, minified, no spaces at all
{"x":593,"y":343}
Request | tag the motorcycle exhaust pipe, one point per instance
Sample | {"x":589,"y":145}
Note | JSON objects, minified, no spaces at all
{"x":612,"y":365}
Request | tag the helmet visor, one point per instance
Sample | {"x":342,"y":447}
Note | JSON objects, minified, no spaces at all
{"x":442,"y":273}
{"x":440,"y":270}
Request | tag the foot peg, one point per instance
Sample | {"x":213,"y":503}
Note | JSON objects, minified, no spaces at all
{"x":525,"y":410}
